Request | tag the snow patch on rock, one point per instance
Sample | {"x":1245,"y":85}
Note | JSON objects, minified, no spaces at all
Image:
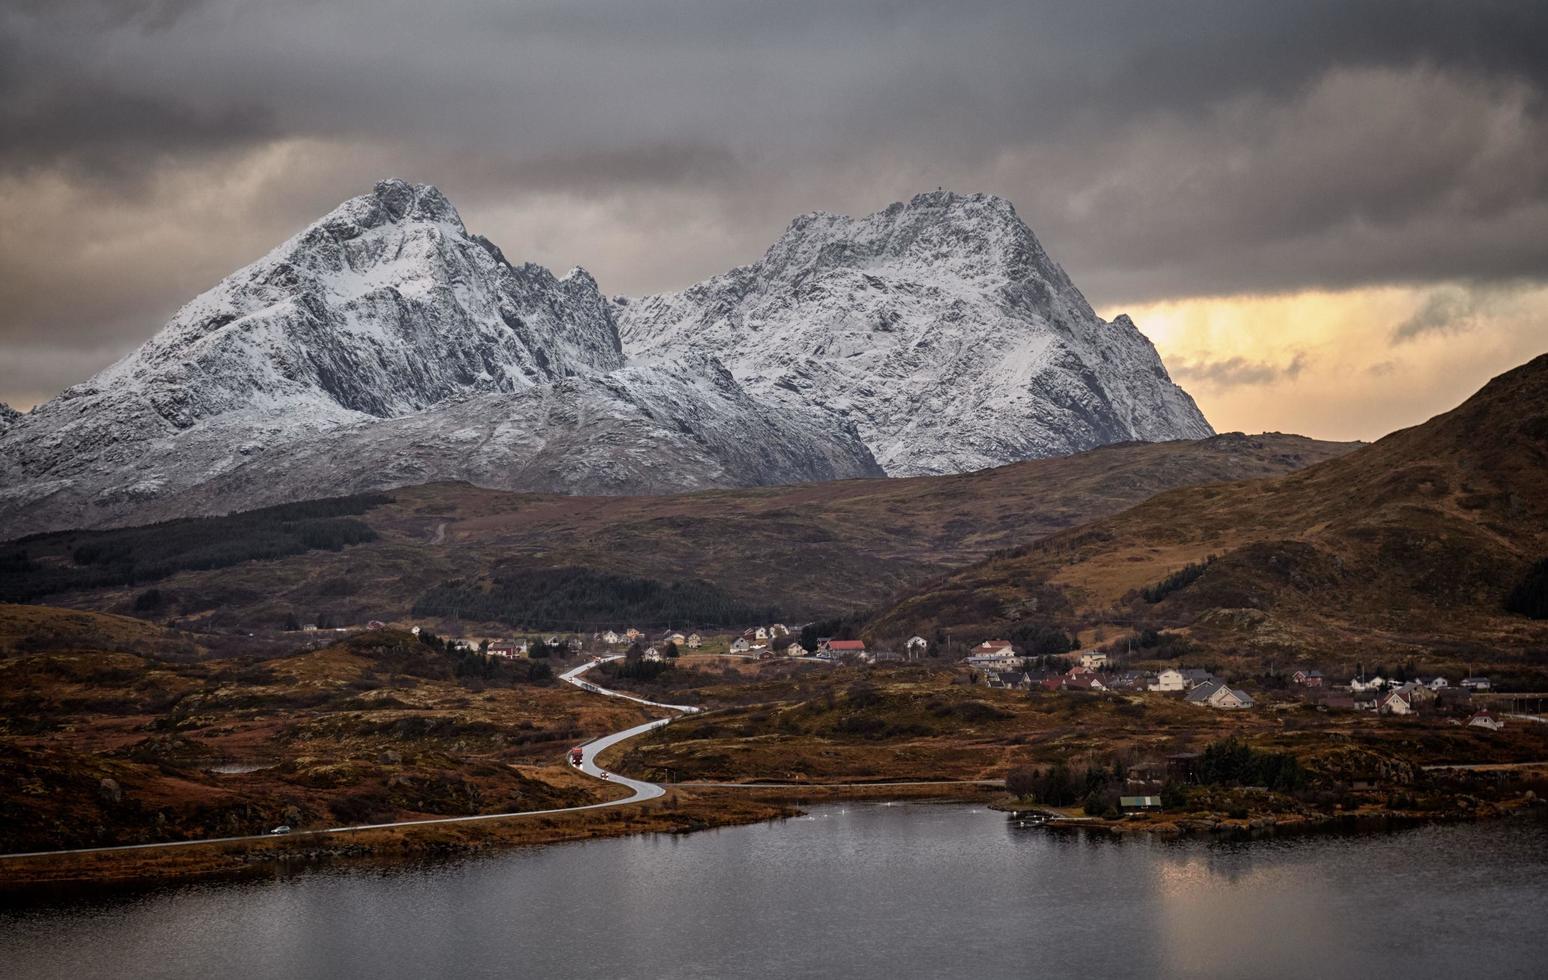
{"x":941,"y":328}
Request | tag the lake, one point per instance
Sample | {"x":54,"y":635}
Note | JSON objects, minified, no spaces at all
{"x":861,"y":891}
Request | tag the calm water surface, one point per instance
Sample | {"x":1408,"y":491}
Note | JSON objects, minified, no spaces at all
{"x":858,"y":891}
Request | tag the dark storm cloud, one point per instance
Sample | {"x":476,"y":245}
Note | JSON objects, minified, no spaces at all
{"x":1449,"y":311}
{"x":1159,"y":148}
{"x":1233,"y":372}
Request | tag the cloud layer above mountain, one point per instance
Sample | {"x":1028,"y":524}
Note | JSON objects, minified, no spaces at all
{"x":1163,"y":151}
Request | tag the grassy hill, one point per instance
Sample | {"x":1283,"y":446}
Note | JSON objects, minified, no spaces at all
{"x":113,"y":730}
{"x":456,"y":550}
{"x":1407,"y":546}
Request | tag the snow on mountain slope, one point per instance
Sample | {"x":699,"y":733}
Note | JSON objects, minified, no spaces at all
{"x":662,"y":427}
{"x":384,"y":309}
{"x":940,"y":328}
{"x":385,"y":345}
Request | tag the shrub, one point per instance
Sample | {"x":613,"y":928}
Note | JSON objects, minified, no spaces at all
{"x":1053,"y":787}
{"x":150,"y":601}
{"x":566,"y":598}
{"x":128,"y":556}
{"x":1530,"y":596}
{"x":1180,"y":579}
{"x":1232,"y":762}
{"x":1040,"y":639}
{"x":1022,"y":781}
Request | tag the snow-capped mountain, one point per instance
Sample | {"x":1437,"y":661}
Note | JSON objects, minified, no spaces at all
{"x":664,"y":427}
{"x":385,"y":345}
{"x":385,"y":309}
{"x":940,"y":328}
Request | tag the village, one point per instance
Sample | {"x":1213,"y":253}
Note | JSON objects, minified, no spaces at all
{"x":998,"y":664}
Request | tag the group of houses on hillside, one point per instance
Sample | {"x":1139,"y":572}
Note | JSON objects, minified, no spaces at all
{"x":1196,"y":686}
{"x":571,"y":645}
{"x":1424,"y":695}
{"x":1362,"y":684}
{"x":759,"y":641}
{"x":631,"y":636}
{"x":1001,"y":666}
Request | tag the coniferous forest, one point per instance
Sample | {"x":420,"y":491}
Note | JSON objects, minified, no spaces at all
{"x":582,"y":598}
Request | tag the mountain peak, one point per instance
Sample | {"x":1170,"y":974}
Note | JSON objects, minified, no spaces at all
{"x":391,"y":203}
{"x":402,"y":201}
{"x":942,"y":199}
{"x":940,"y":327}
{"x":956,"y":236}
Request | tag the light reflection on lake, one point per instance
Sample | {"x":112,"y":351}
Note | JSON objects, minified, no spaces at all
{"x":853,"y":891}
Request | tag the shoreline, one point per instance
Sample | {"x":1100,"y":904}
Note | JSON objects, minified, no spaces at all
{"x":1216,"y":826}
{"x":673,"y":814}
{"x":678,"y":812}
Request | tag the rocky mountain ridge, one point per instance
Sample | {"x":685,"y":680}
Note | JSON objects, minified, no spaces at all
{"x":385,"y":344}
{"x":1409,"y":546}
{"x":941,"y":328}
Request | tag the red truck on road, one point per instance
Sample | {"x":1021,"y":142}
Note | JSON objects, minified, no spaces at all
{"x":576,"y":755}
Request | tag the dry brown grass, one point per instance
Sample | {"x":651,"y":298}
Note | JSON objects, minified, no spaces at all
{"x":811,"y":550}
{"x":1405,"y":548}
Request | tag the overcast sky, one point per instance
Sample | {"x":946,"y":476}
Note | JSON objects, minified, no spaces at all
{"x":1332,"y":217}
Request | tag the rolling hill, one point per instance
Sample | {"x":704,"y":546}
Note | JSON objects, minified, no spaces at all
{"x":1409,"y":544}
{"x":803,"y":550}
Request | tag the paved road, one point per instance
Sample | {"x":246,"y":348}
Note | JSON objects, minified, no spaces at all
{"x":590,"y":751}
{"x":642,"y":790}
{"x":794,"y":785}
{"x":573,"y":676}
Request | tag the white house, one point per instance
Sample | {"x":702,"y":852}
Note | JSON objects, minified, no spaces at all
{"x":611,"y":639}
{"x":1216,"y":694}
{"x":778,"y":629}
{"x":760,"y":634}
{"x":695,"y":641}
{"x":1485,"y":719}
{"x":994,"y":654}
{"x":1093,"y":660}
{"x":1476,"y":683}
{"x":653,"y":654}
{"x":1359,"y":684}
{"x":1395,"y":703}
{"x":1172,"y":679}
{"x":1438,"y":683}
{"x":740,"y":645}
{"x":916,"y":646}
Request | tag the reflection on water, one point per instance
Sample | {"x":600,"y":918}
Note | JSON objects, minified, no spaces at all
{"x":239,"y":768}
{"x":855,"y":891}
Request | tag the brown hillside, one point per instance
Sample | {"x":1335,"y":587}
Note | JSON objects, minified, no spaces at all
{"x":1411,"y":542}
{"x":807,"y":549}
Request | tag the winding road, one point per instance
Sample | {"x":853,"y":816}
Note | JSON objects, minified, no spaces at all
{"x":642,"y":790}
{"x":590,"y":750}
